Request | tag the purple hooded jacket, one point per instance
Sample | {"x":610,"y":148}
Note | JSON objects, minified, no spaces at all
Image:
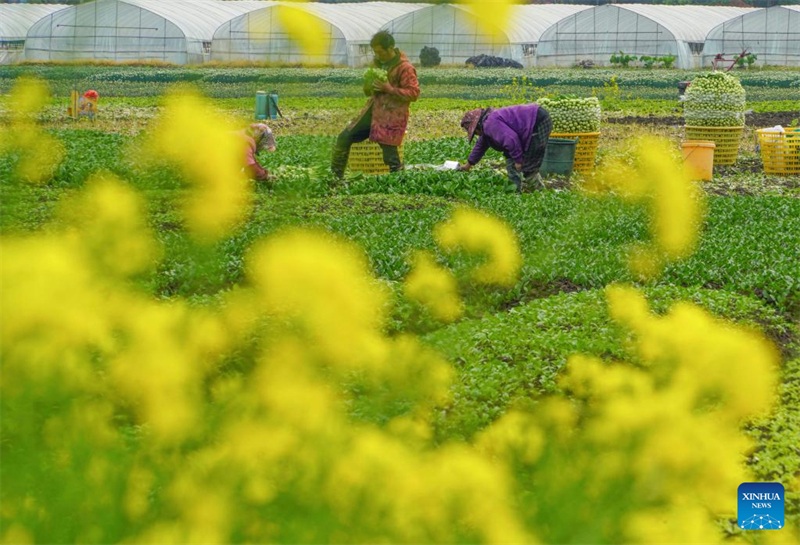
{"x":508,"y":130}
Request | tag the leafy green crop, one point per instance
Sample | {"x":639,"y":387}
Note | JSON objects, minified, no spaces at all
{"x":716,"y":99}
{"x":573,"y":114}
{"x":372,"y":75}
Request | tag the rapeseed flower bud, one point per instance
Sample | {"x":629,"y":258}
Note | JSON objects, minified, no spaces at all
{"x":514,"y":436}
{"x":433,"y":287}
{"x":477,"y":233}
{"x":676,"y":204}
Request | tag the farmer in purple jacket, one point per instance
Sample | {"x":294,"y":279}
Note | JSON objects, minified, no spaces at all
{"x":520,"y":132}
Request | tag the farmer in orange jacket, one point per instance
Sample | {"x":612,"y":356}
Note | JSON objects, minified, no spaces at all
{"x":257,"y":137}
{"x":385,"y":116}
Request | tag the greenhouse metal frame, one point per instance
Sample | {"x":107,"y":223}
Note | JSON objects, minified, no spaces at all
{"x":346,"y":29}
{"x":456,"y":31}
{"x":15,"y":21}
{"x":772,"y":34}
{"x":174,"y":31}
{"x":528,"y":22}
{"x":633,"y":29}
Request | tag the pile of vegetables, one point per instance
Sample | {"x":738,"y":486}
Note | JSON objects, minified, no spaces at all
{"x":573,"y":114}
{"x":372,"y":74}
{"x":716,"y":99}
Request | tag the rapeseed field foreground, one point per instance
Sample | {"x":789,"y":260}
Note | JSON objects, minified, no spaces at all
{"x":124,"y":421}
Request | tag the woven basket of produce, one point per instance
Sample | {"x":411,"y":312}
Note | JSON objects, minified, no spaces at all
{"x":575,"y":117}
{"x":713,"y":110}
{"x":367,"y":157}
{"x":585,"y":149}
{"x":726,"y":140}
{"x":780,"y":151}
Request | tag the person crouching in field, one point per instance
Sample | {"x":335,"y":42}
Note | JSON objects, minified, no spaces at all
{"x":257,"y":137}
{"x":519,"y":132}
{"x":384,"y":118}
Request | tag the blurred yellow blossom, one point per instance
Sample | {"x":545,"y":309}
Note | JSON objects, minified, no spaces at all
{"x":284,"y":412}
{"x":192,"y":135}
{"x":108,"y":219}
{"x":478,"y":233}
{"x":652,"y":175}
{"x":679,"y":420}
{"x":323,"y":285}
{"x":433,"y":287}
{"x":39,"y":152}
{"x":304,"y":28}
{"x":492,"y":15}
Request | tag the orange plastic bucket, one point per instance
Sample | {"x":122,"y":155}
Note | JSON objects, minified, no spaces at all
{"x":699,"y":156}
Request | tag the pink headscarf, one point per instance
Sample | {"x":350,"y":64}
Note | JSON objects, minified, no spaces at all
{"x":263,"y":136}
{"x":470,"y":122}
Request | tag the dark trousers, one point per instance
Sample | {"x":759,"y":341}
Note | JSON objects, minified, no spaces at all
{"x":359,"y":133}
{"x":533,"y":156}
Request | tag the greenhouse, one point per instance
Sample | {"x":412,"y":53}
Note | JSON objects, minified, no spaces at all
{"x":344,"y":30}
{"x":633,"y":29}
{"x":772,"y":35}
{"x":15,"y":20}
{"x":528,"y":22}
{"x":455,"y":30}
{"x":177,"y":31}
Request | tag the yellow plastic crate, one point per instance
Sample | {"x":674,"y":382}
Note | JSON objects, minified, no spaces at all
{"x":780,"y":151}
{"x":367,"y":157}
{"x":726,"y":139}
{"x":585,"y":149}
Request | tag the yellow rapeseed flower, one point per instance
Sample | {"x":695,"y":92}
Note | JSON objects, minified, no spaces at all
{"x":304,"y":28}
{"x":478,"y":233}
{"x":322,"y":284}
{"x":39,"y":152}
{"x":108,"y":217}
{"x":652,"y":175}
{"x":433,"y":287}
{"x":492,"y":15}
{"x":192,"y":135}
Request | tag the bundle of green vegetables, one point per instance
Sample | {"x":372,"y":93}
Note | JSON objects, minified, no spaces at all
{"x":372,"y":74}
{"x":716,"y":99}
{"x":573,"y":114}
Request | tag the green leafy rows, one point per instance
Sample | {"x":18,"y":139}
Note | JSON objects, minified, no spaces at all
{"x":748,"y":245}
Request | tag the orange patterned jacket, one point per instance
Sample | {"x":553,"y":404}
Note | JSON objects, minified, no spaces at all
{"x":390,"y":111}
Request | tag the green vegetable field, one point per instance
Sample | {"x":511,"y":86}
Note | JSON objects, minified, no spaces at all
{"x":271,"y":385}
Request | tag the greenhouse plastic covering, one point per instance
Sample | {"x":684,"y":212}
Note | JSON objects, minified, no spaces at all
{"x":176,"y":31}
{"x":772,"y":34}
{"x":196,"y":31}
{"x":15,"y":20}
{"x":634,"y":29}
{"x":527,"y":23}
{"x":454,"y":30}
{"x":346,"y":29}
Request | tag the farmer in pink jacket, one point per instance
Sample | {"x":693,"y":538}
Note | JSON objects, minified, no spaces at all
{"x":519,"y":132}
{"x":385,"y":116}
{"x":257,"y":137}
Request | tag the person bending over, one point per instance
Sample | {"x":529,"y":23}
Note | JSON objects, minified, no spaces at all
{"x":519,"y":132}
